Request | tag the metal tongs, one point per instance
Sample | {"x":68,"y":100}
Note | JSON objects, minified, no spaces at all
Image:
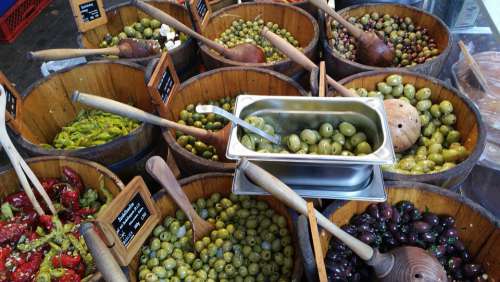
{"x":22,"y":169}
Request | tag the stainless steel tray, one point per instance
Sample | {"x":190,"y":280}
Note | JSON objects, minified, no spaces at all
{"x":292,"y":114}
{"x":371,"y":189}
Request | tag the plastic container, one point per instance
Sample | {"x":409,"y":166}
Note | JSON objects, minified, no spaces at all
{"x":18,"y":17}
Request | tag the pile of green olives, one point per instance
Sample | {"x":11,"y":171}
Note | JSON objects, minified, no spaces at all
{"x":242,"y":31}
{"x":146,"y":29}
{"x":412,"y":44}
{"x":344,"y":140}
{"x":251,"y":242}
{"x":213,"y":122}
{"x":438,"y":147}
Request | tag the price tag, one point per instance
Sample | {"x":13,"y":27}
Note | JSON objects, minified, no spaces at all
{"x":164,"y":81}
{"x":129,"y":220}
{"x":89,"y":14}
{"x":13,"y":108}
{"x":201,"y":11}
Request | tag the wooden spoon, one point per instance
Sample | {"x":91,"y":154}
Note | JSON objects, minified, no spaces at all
{"x":218,"y":138}
{"x":371,"y":50}
{"x":160,"y":171}
{"x":126,"y":48}
{"x":400,"y":264}
{"x":246,"y":52}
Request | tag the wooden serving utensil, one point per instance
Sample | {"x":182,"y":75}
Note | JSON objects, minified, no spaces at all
{"x":246,"y":52}
{"x":371,"y":50}
{"x":474,"y":67}
{"x":126,"y":48}
{"x":160,"y":171}
{"x":401,"y":264}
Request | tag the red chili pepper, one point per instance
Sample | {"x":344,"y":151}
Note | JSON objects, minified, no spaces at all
{"x":85,"y":211}
{"x":12,"y":232}
{"x":31,"y":236}
{"x":26,"y":271}
{"x":69,"y":276}
{"x":4,"y":254}
{"x":46,"y":221}
{"x":80,"y":269}
{"x":70,"y":198}
{"x":18,"y":200}
{"x":48,"y":185}
{"x":73,"y":178}
{"x":66,"y":261}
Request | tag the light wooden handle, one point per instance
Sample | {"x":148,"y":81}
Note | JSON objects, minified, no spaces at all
{"x":177,"y":25}
{"x":125,"y":110}
{"x":61,"y":54}
{"x":323,"y":5}
{"x":300,"y":58}
{"x":473,"y":65}
{"x":104,"y":260}
{"x":285,"y":194}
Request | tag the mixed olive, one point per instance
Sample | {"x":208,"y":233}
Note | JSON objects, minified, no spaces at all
{"x":412,"y":44}
{"x":438,"y":147}
{"x":251,"y":242}
{"x":213,"y":122}
{"x":242,"y":31}
{"x":386,"y":227}
{"x":147,"y":29}
{"x":343,"y":140}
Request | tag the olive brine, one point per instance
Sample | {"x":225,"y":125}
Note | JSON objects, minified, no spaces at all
{"x":412,"y":44}
{"x":251,"y":242}
{"x":386,"y":227}
{"x":242,"y":31}
{"x":343,"y":140}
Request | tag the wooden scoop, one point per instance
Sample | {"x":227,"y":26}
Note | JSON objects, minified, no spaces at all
{"x":126,"y":48}
{"x":246,"y":52}
{"x":159,"y":170}
{"x":400,"y":264}
{"x":218,"y":139}
{"x":371,"y":50}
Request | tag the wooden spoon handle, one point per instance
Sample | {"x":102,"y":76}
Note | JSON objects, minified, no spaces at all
{"x":284,"y":193}
{"x":122,"y":109}
{"x":177,"y":25}
{"x":301,"y":59}
{"x":323,"y":5}
{"x":61,"y":54}
{"x":104,"y":260}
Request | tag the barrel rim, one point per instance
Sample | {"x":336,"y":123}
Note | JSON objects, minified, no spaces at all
{"x":309,"y":48}
{"x":459,"y":168}
{"x":190,"y":41}
{"x":231,"y":165}
{"x":327,"y":47}
{"x":37,"y":149}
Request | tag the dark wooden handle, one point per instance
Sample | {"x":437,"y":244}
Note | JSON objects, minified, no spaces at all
{"x":61,"y":54}
{"x":177,"y":25}
{"x":323,"y":5}
{"x":104,"y":260}
{"x":314,"y":82}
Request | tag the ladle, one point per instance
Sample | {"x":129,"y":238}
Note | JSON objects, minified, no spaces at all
{"x":126,"y":48}
{"x":246,"y":52}
{"x":371,"y":50}
{"x":401,"y":264}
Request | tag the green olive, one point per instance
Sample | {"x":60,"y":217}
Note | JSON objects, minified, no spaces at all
{"x":423,"y":94}
{"x":363,"y":148}
{"x":326,"y":130}
{"x":358,"y":138}
{"x":394,"y":80}
{"x":453,"y":136}
{"x":423,"y":105}
{"x":293,"y":143}
{"x":397,"y":90}
{"x":324,"y":147}
{"x":449,"y":119}
{"x":446,"y":107}
{"x":339,"y":138}
{"x":309,"y":136}
{"x":347,"y":129}
{"x":409,"y":91}
{"x":384,"y":88}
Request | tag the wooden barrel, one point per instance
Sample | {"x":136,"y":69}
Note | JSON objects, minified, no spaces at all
{"x":47,"y":107}
{"x":184,"y":57}
{"x":204,"y":185}
{"x":338,"y":67}
{"x":216,"y":84}
{"x":299,"y":23}
{"x":478,"y":229}
{"x":469,"y":123}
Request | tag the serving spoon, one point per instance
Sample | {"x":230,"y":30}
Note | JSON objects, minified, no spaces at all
{"x":246,"y":52}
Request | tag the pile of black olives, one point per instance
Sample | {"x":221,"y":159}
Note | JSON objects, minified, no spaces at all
{"x":242,"y":31}
{"x":386,"y":227}
{"x":412,"y":44}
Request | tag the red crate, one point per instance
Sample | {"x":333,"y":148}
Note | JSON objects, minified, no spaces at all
{"x":18,"y":17}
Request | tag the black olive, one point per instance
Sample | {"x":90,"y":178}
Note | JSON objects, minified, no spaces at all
{"x":351,"y":229}
{"x":405,"y":218}
{"x":340,"y":247}
{"x":459,"y":246}
{"x":472,"y":270}
{"x":454,"y":263}
{"x":385,"y":210}
{"x":447,"y":221}
{"x":380,"y":226}
{"x":356,"y":277}
{"x":438,"y":229}
{"x":405,"y":206}
{"x":458,"y":274}
{"x":396,"y":216}
{"x":400,"y":237}
{"x":450,"y":249}
{"x":437,"y":250}
{"x":334,"y":256}
{"x":335,"y":271}
{"x":429,"y":237}
{"x":415,"y":214}
{"x":451,"y":233}
{"x":465,"y":255}
{"x":412,"y":238}
{"x":430,"y":218}
{"x":404,"y":228}
{"x":373,"y":211}
{"x":392,"y":227}
{"x":391,"y":242}
{"x":362,"y":219}
{"x":421,"y":226}
{"x":367,"y":237}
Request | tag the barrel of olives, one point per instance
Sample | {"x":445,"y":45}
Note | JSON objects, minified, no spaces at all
{"x":215,"y":85}
{"x":47,"y":107}
{"x":203,"y":186}
{"x":302,"y":28}
{"x":466,"y":120}
{"x":125,"y":15}
{"x":478,"y":230}
{"x":423,"y":26}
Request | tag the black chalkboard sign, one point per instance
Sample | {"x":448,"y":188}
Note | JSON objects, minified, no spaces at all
{"x":130,"y":220}
{"x":166,"y":85}
{"x":11,"y":102}
{"x":201,"y":8}
{"x":89,"y":11}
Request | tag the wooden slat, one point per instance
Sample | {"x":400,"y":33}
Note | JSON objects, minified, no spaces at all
{"x":318,"y":253}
